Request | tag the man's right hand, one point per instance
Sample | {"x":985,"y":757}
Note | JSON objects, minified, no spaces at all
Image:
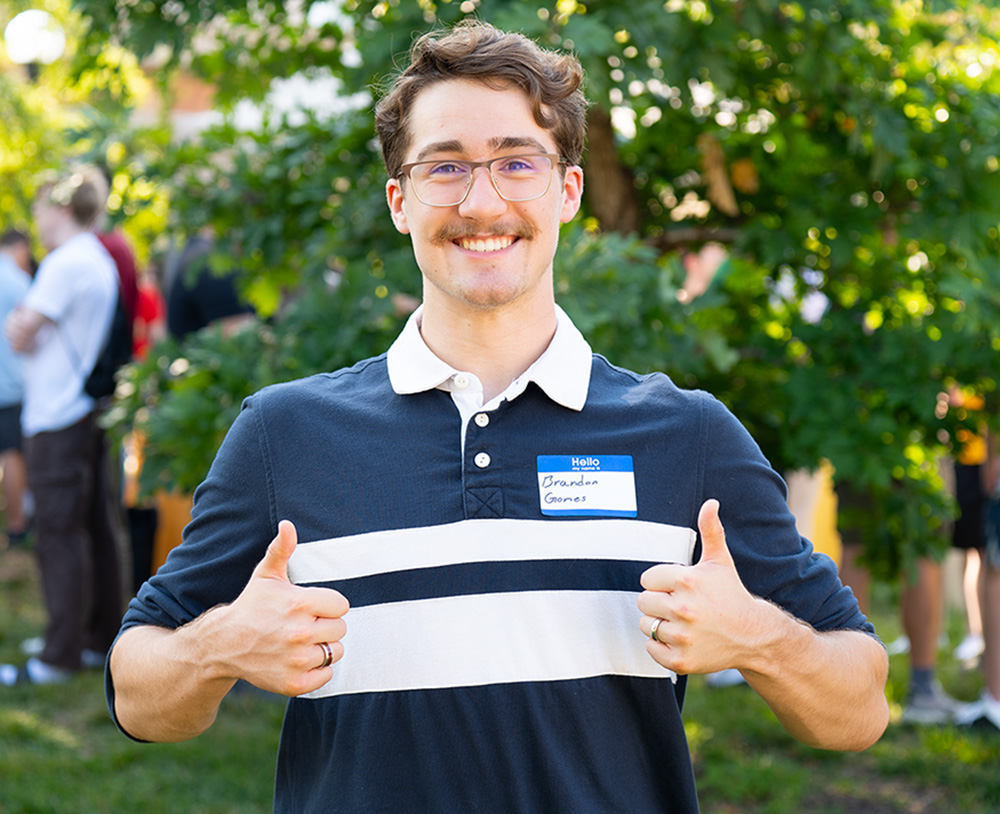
{"x":272,"y":635}
{"x":169,"y":683}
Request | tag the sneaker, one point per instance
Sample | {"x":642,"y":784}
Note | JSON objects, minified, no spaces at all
{"x":33,"y":646}
{"x":725,"y":678}
{"x":89,"y":659}
{"x":971,"y":647}
{"x":935,"y":707}
{"x":981,"y":714}
{"x":34,"y":672}
{"x":899,"y":646}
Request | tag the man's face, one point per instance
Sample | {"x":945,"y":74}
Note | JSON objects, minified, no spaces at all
{"x":48,"y":219}
{"x":485,"y":252}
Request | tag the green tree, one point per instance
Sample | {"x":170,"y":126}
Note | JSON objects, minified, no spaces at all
{"x":76,"y":110}
{"x":845,"y":153}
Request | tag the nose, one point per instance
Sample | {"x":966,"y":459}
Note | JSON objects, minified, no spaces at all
{"x":483,"y":199}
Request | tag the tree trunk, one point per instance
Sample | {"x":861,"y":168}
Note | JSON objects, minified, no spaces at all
{"x":609,"y":189}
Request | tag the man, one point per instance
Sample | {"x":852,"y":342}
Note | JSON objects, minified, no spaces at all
{"x":199,"y":297}
{"x":60,"y":328}
{"x":487,"y":497}
{"x":15,"y":262}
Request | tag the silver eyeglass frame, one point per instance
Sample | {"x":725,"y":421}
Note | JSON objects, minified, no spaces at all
{"x":555,"y":159}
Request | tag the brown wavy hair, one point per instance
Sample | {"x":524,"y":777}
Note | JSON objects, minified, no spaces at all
{"x":477,"y":51}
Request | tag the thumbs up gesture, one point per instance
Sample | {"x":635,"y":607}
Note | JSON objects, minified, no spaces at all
{"x":706,"y":616}
{"x":279,"y":636}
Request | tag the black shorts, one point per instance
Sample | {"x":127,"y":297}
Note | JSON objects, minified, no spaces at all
{"x":10,"y":428}
{"x":968,"y":529}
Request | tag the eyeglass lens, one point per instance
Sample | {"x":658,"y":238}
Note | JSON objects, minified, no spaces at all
{"x":516,"y":178}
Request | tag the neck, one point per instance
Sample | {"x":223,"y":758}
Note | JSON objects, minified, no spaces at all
{"x":67,"y":230}
{"x":495,"y":345}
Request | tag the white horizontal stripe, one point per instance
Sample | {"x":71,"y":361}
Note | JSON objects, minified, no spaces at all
{"x":501,"y":540}
{"x":491,"y":639}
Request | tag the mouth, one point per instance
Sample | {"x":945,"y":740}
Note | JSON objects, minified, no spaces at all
{"x":485,"y":244}
{"x":485,"y":238}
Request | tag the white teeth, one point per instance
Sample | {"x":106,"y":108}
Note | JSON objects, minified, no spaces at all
{"x":489,"y":244}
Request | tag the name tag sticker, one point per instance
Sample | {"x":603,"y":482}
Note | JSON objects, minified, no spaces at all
{"x":593,"y":485}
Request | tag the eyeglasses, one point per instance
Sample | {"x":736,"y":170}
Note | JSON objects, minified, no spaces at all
{"x":516,"y":178}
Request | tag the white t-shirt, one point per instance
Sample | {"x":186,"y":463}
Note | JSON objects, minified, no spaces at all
{"x":75,"y":287}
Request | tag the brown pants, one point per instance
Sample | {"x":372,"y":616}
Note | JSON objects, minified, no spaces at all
{"x":77,"y":525}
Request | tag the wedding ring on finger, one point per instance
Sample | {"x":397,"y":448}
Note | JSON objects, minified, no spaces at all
{"x":327,"y":655}
{"x":652,"y":630}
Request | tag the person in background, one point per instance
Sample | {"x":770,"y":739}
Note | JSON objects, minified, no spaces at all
{"x":148,"y":328}
{"x":150,"y":325}
{"x":921,"y":609}
{"x":984,"y":713}
{"x":199,"y":297}
{"x":117,"y":246}
{"x":16,"y":263}
{"x":967,"y":534}
{"x":60,"y":329}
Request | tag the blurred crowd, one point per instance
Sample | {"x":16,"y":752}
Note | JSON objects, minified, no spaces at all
{"x":69,"y":321}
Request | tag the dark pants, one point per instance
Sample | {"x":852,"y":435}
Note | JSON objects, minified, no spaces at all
{"x":77,"y":528}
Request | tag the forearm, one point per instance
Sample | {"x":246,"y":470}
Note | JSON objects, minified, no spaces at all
{"x":165,"y":688}
{"x":280,"y":637}
{"x":827,"y":689}
{"x":21,"y":327}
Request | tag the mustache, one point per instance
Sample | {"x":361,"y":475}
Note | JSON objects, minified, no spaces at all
{"x":457,"y":231}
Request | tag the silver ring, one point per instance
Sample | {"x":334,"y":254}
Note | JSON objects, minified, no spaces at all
{"x":327,"y":655}
{"x":653,"y":628}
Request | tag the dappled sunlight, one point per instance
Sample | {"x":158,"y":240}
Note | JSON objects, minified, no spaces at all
{"x":21,"y":727}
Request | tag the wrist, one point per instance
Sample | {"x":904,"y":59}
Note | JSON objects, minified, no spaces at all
{"x":208,"y":643}
{"x":776,"y":637}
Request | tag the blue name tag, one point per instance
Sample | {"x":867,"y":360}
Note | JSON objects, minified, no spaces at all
{"x":594,"y":485}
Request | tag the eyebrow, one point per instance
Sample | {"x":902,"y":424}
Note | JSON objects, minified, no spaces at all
{"x":496,"y":143}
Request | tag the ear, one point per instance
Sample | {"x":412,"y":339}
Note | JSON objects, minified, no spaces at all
{"x":394,"y":196}
{"x":572,"y":193}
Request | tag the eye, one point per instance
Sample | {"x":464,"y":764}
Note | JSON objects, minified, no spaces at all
{"x":519,"y":164}
{"x":446,"y":169}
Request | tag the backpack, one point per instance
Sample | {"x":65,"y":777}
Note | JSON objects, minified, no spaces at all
{"x":115,"y":352}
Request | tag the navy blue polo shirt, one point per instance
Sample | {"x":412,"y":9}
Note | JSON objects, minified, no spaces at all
{"x":491,"y":555}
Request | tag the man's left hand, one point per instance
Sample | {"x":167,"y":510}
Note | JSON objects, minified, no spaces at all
{"x":707,"y":615}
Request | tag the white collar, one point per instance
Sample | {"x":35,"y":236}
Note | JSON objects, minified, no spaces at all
{"x":562,"y":371}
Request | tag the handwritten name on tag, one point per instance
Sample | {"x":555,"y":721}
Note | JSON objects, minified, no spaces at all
{"x":594,"y":485}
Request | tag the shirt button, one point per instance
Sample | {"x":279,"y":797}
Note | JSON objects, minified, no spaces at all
{"x":482,"y":419}
{"x":461,"y":380}
{"x":482,"y":460}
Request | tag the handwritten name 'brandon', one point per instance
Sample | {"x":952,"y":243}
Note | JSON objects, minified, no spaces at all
{"x":552,"y":482}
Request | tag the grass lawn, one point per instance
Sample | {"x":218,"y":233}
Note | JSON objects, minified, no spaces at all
{"x":59,"y":751}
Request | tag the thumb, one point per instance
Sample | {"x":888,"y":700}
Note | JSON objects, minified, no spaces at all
{"x":713,"y":535}
{"x":279,"y":552}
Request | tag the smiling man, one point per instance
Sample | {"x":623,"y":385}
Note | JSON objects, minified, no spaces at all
{"x":497,"y":555}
